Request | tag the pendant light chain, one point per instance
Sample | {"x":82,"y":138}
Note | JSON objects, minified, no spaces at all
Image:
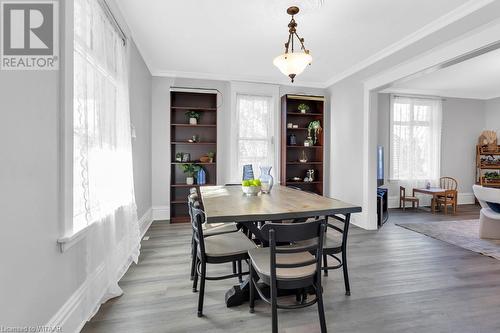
{"x":293,"y":63}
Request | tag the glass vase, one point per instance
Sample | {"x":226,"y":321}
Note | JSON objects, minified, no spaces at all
{"x":266,"y":179}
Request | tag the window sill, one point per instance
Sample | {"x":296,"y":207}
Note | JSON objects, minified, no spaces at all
{"x":68,"y":241}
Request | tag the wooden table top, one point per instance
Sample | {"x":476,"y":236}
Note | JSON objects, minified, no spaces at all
{"x":229,"y":204}
{"x":432,"y":190}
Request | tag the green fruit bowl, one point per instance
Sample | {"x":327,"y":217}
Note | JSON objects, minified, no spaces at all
{"x":251,"y":190}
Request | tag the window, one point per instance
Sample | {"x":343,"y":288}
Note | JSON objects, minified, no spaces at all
{"x":102,"y":157}
{"x":255,"y":132}
{"x":415,"y":139}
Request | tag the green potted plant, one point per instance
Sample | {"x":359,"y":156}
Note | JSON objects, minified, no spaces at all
{"x":303,"y":108}
{"x":314,"y":126}
{"x":211,"y":156}
{"x":193,"y":117}
{"x":190,"y":169}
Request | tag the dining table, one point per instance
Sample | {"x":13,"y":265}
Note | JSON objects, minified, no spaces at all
{"x":227,"y":204}
{"x":434,"y":192}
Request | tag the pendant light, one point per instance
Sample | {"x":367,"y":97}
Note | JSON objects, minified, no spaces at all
{"x":294,"y":62}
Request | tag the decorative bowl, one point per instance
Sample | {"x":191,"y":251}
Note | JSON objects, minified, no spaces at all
{"x":251,"y":190}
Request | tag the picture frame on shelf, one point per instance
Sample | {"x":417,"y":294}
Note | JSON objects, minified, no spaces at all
{"x":186,"y":157}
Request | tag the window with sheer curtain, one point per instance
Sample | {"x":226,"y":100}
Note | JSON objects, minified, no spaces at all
{"x":255,"y":132}
{"x":415,"y":138}
{"x":102,"y":153}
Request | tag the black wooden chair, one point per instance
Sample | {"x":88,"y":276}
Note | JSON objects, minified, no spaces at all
{"x":289,"y":267}
{"x":215,"y":249}
{"x":336,"y":242}
{"x":221,"y":228}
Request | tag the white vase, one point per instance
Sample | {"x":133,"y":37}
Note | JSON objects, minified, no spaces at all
{"x":193,"y":121}
{"x":189,"y":180}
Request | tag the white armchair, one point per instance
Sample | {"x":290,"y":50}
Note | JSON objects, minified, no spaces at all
{"x":489,"y":221}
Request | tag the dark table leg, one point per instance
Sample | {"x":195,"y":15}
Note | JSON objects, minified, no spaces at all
{"x":238,"y":294}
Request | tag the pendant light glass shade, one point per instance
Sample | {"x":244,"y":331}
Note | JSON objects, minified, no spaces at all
{"x":292,"y":64}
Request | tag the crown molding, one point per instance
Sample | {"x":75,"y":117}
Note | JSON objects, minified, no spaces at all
{"x":229,"y":77}
{"x":437,"y":92}
{"x":443,"y":21}
{"x":434,"y":26}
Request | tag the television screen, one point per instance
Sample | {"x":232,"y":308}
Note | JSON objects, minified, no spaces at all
{"x":380,"y":165}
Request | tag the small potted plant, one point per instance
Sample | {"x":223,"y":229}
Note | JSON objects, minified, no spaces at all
{"x":211,"y":156}
{"x":303,"y":108}
{"x":193,"y":117}
{"x":190,"y":169}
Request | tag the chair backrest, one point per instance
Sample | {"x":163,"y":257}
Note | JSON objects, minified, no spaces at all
{"x":313,"y":232}
{"x":344,"y":231}
{"x":402,"y":192}
{"x":486,"y":194}
{"x":197,"y":219}
{"x":192,"y":197}
{"x":448,"y":183}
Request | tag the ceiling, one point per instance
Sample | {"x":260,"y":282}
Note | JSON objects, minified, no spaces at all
{"x":477,"y":78}
{"x":238,"y":39}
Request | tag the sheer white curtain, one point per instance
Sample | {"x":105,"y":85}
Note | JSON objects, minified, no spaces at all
{"x":415,"y":138}
{"x":255,"y":134}
{"x":103,"y":187}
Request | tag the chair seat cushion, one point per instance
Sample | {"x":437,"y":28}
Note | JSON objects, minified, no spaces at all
{"x":331,"y":240}
{"x":234,"y":243}
{"x":491,"y":214}
{"x":261,"y":261}
{"x":217,"y":228}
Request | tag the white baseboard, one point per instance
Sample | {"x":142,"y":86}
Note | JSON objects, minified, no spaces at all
{"x":73,"y":315}
{"x":463,"y":199}
{"x":161,"y":213}
{"x":145,"y":221}
{"x":466,"y":198}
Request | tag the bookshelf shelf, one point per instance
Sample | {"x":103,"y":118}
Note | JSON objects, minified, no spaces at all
{"x":206,"y":105}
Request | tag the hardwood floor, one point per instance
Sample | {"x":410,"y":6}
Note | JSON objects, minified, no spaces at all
{"x":401,"y":281}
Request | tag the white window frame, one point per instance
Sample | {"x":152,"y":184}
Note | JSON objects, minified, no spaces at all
{"x":254,"y":89}
{"x":412,"y":123}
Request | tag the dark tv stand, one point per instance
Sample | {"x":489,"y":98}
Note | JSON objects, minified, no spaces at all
{"x":382,"y":211}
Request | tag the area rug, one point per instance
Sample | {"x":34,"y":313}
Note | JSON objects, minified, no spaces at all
{"x":464,"y":234}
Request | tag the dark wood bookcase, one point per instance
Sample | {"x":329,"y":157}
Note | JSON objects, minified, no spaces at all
{"x":291,"y":154}
{"x":182,"y":101}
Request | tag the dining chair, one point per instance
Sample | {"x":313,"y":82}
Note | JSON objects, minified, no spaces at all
{"x":215,"y":249}
{"x":448,"y":199}
{"x":219,"y":228}
{"x":288,"y":267}
{"x":403,"y":198}
{"x":448,"y":183}
{"x":335,"y":243}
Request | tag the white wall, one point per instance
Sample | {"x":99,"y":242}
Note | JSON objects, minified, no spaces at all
{"x":346,"y":149}
{"x":463,"y":121}
{"x":37,"y":281}
{"x":161,"y":132}
{"x":492,"y":115}
{"x":140,"y":83}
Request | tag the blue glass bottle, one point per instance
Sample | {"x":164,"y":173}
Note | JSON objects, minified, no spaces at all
{"x":201,"y":177}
